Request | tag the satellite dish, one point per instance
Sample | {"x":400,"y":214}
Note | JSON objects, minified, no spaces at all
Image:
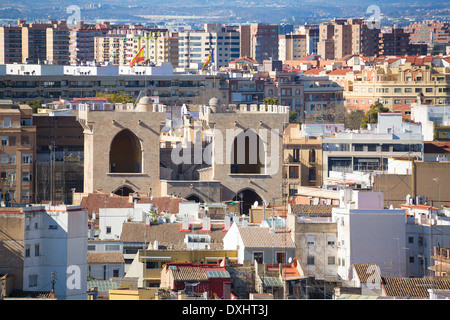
{"x":255,"y":205}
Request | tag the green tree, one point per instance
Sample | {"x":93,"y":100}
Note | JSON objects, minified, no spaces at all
{"x":372,"y":114}
{"x":35,"y":105}
{"x":116,"y":97}
{"x":292,"y":117}
{"x":271,"y":101}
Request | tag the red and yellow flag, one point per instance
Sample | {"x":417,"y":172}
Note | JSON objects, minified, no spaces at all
{"x":138,"y":58}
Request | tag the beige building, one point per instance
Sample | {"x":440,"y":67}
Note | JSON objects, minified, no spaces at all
{"x":302,"y":158}
{"x":399,"y":82}
{"x":111,"y":48}
{"x":18,"y":151}
{"x":292,"y":46}
{"x":342,"y":37}
{"x":35,"y":42}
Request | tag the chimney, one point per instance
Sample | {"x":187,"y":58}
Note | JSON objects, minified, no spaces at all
{"x":227,"y":224}
{"x":206,"y":224}
{"x":184,"y":225}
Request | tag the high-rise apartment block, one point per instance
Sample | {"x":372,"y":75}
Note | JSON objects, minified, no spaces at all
{"x":397,"y":42}
{"x":35,"y":43}
{"x":344,"y":37}
{"x":259,"y":41}
{"x":429,"y":32}
{"x":196,"y":45}
{"x":111,"y":48}
{"x":82,"y":43}
{"x":292,"y":46}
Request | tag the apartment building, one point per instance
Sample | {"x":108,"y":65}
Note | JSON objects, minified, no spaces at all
{"x":18,"y":141}
{"x":312,"y":34}
{"x":57,"y":43}
{"x":292,"y":46}
{"x":55,"y":247}
{"x":397,"y":42}
{"x":82,"y":43}
{"x":369,"y":150}
{"x":25,"y":82}
{"x":259,"y":41}
{"x":111,"y":48}
{"x":302,"y":158}
{"x":342,"y":37}
{"x":368,"y":233}
{"x":196,"y":45}
{"x":429,"y":31}
{"x":10,"y":44}
{"x":398,"y":82}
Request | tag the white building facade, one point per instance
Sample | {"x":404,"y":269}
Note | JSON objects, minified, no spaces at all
{"x":367,"y":233}
{"x":56,"y":251}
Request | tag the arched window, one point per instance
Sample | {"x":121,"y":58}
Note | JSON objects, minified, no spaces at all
{"x":125,"y":154}
{"x":312,"y":156}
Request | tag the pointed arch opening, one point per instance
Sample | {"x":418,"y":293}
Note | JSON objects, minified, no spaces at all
{"x":247,"y":198}
{"x":125,"y":155}
{"x":124,"y":191}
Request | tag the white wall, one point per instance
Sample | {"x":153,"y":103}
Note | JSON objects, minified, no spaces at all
{"x":114,"y":218}
{"x":370,"y":236}
{"x":61,"y":232}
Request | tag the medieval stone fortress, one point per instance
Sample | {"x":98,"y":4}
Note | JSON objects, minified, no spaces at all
{"x":253,"y":161}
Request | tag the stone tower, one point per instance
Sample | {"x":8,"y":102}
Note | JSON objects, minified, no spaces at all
{"x":121,"y":147}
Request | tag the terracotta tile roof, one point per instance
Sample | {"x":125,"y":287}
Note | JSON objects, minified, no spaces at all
{"x":244,"y":59}
{"x":105,"y":257}
{"x":337,"y":72}
{"x":314,"y":71}
{"x":440,"y":147}
{"x":312,"y":209}
{"x":94,"y":201}
{"x":188,"y":274}
{"x":367,"y":271}
{"x":259,"y":237}
{"x":31,"y":294}
{"x":169,"y":234}
{"x":413,"y":287}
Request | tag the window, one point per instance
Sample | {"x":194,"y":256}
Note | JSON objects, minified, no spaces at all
{"x":281,"y":257}
{"x":32,"y":280}
{"x":4,"y":141}
{"x":309,"y":240}
{"x":358,"y":147}
{"x":331,"y":260}
{"x":411,"y":259}
{"x":4,"y":158}
{"x":151,"y":265}
{"x":112,"y":247}
{"x":410,"y":239}
{"x":27,"y":251}
{"x":115,"y":273}
{"x":312,"y":173}
{"x":258,"y":257}
{"x":12,"y":159}
{"x":36,"y":250}
{"x":293,"y":172}
{"x":108,"y":229}
{"x":310,"y":260}
{"x":27,"y":158}
{"x":372,"y":147}
{"x":91,"y":248}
